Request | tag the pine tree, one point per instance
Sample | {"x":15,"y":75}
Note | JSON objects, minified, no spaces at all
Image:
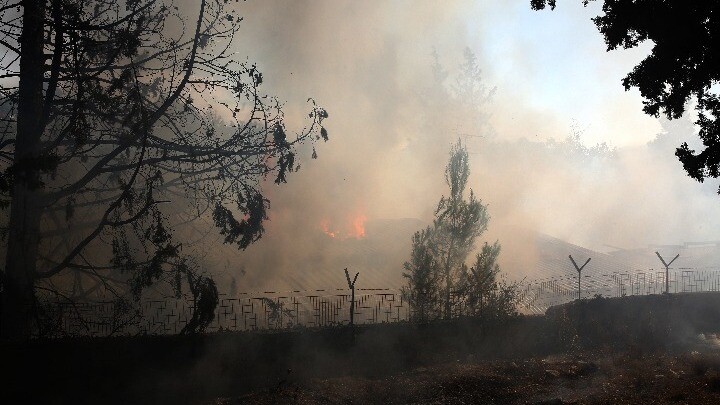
{"x":421,"y":272}
{"x":479,"y":282}
{"x":439,"y":252}
{"x":458,"y":222}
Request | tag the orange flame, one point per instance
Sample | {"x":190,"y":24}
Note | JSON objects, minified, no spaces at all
{"x":358,"y":224}
{"x":325,"y":226}
{"x":355,"y":228}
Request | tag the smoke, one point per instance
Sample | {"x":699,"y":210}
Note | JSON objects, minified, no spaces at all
{"x":395,"y":109}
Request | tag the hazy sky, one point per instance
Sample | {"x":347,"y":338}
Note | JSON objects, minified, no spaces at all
{"x":370,"y":64}
{"x":550,"y":68}
{"x":554,"y":65}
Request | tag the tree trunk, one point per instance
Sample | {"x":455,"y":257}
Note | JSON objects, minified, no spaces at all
{"x":23,"y":227}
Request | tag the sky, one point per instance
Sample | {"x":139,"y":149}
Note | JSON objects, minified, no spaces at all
{"x":555,"y":64}
{"x":551,"y":64}
{"x":391,"y":124}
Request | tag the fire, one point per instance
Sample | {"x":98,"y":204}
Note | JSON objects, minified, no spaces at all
{"x":325,"y":226}
{"x":355,"y":228}
{"x":359,"y":226}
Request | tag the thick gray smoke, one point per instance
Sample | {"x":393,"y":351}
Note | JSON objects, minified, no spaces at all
{"x":394,"y":110}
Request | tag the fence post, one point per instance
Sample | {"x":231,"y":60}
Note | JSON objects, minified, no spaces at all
{"x":667,"y":271}
{"x":351,"y":286}
{"x":579,"y":269}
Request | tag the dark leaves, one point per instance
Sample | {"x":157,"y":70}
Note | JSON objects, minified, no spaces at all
{"x":205,"y":295}
{"x":115,"y":79}
{"x":285,"y":164}
{"x":682,"y":65}
{"x":255,"y":75}
{"x":121,"y":254}
{"x":247,"y":230}
{"x":279,"y":137}
{"x":149,"y":274}
{"x":119,"y":82}
{"x":203,"y":41}
{"x":540,"y":4}
{"x":127,"y":42}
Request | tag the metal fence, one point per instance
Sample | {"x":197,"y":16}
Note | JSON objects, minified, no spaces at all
{"x":538,"y":295}
{"x":322,"y":308}
{"x":245,"y":312}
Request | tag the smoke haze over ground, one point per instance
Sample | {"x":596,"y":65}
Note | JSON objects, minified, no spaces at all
{"x":535,"y":157}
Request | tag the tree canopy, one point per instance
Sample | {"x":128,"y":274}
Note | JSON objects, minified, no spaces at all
{"x":684,"y":64}
{"x":118,"y":122}
{"x":439,"y":252}
{"x":458,"y":222}
{"x":439,"y":282}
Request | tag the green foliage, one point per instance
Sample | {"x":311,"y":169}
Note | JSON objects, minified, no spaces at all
{"x":458,"y":222}
{"x":247,"y":230}
{"x":683,"y":65}
{"x":439,"y":284}
{"x":481,"y":289}
{"x":480,"y":280}
{"x":502,"y":300}
{"x":422,"y":274}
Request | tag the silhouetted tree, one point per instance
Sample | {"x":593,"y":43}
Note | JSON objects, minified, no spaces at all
{"x":484,"y":292}
{"x":479,"y":282}
{"x":422,"y":291}
{"x":683,"y":64}
{"x":110,"y":109}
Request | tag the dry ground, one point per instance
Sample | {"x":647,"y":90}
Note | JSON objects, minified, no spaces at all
{"x":631,"y":377}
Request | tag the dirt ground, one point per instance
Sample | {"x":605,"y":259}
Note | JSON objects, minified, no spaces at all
{"x":629,"y":377}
